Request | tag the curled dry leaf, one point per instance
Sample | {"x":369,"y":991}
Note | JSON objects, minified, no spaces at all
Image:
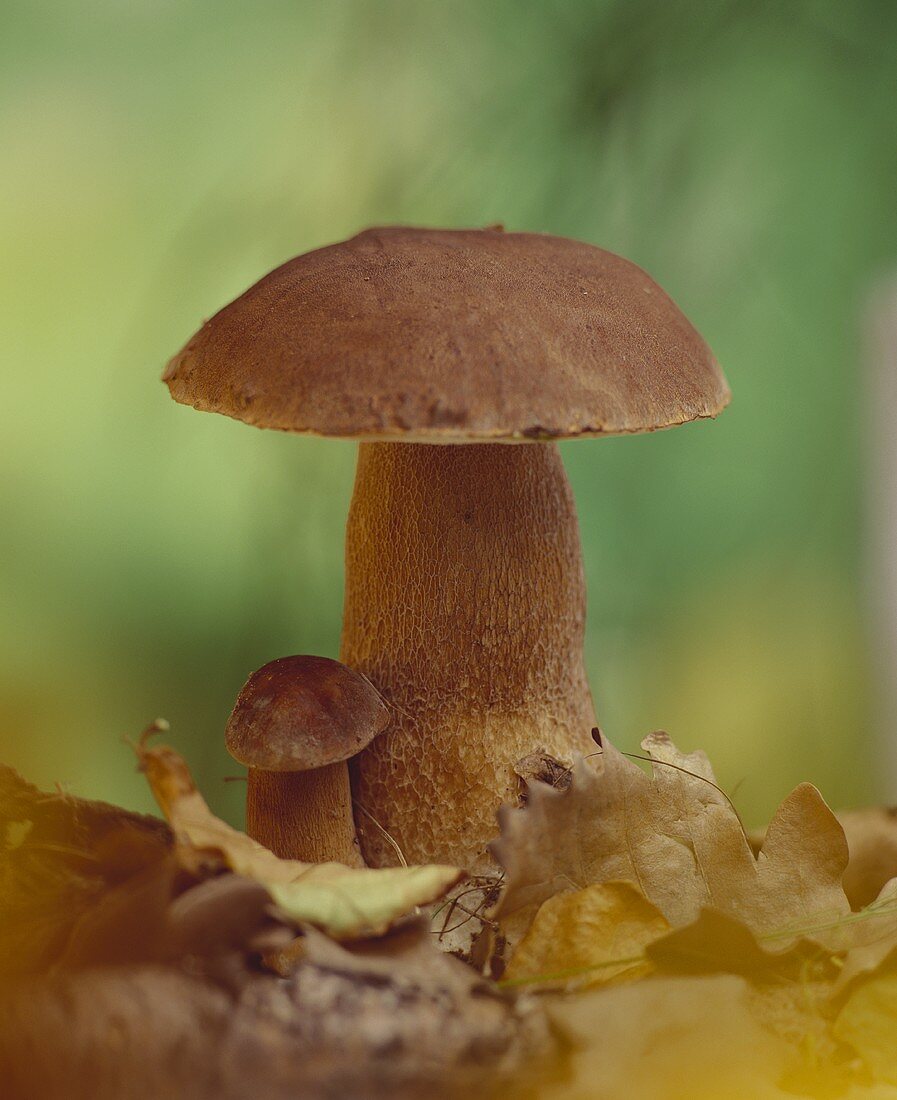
{"x":542,"y":768}
{"x":716,"y":943}
{"x":406,"y":957}
{"x":677,"y":837}
{"x":345,"y":902}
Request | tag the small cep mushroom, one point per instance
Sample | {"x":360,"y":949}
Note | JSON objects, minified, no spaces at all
{"x":295,"y":724}
{"x":465,"y":599}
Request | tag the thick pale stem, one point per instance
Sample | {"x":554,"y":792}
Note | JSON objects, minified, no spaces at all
{"x":465,"y":607}
{"x":303,"y":815}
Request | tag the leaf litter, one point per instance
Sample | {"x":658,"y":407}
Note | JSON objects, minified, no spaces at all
{"x":634,"y":900}
{"x":674,"y":956}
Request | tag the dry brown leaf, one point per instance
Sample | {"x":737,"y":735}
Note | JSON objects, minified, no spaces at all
{"x":542,"y":768}
{"x":345,"y":902}
{"x":871,"y":834}
{"x":872,"y":841}
{"x":588,"y":937}
{"x":678,"y":838}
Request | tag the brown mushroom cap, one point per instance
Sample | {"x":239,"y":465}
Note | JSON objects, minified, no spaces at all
{"x":437,"y":335}
{"x":300,"y":713}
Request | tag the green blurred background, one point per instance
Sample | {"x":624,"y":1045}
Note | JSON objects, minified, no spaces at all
{"x":160,"y":155}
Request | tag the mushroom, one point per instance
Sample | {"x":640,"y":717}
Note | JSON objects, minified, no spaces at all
{"x":295,"y":724}
{"x":465,"y":601}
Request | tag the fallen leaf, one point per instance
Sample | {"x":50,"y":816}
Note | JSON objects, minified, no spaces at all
{"x":871,"y":834}
{"x":677,"y":837}
{"x":872,"y":841}
{"x":223,"y":915}
{"x":588,"y":937}
{"x":668,"y":1039}
{"x":717,"y":943}
{"x":345,"y":902}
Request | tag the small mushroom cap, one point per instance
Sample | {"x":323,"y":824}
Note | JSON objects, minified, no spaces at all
{"x":452,"y":336}
{"x":300,"y":713}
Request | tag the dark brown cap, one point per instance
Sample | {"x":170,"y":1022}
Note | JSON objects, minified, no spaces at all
{"x":300,"y":713}
{"x":438,"y":335}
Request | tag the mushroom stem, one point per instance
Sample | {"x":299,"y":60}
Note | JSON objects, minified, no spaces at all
{"x":303,"y":815}
{"x":465,"y":607}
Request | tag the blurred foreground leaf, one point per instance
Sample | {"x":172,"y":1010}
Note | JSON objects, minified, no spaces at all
{"x":60,"y":858}
{"x":676,"y":1039}
{"x":868,"y":1022}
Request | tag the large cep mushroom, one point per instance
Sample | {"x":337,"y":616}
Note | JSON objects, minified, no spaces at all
{"x":296,"y":722}
{"x":465,"y":606}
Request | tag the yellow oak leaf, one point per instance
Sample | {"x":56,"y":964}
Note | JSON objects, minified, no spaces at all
{"x":347,"y":903}
{"x":588,"y":937}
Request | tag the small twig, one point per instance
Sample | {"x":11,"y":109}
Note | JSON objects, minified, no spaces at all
{"x":485,"y":886}
{"x":484,"y":883}
{"x":471,"y":915}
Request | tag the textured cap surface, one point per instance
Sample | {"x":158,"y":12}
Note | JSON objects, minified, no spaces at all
{"x":452,"y":335}
{"x":299,"y":713}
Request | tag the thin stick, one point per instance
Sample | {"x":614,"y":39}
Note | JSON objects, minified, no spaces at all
{"x":399,"y":853}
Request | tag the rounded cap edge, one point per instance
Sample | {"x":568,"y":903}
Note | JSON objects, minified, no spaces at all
{"x":304,"y":712}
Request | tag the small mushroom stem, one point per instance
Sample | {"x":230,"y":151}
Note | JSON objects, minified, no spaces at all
{"x":465,"y":607}
{"x":304,"y":815}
